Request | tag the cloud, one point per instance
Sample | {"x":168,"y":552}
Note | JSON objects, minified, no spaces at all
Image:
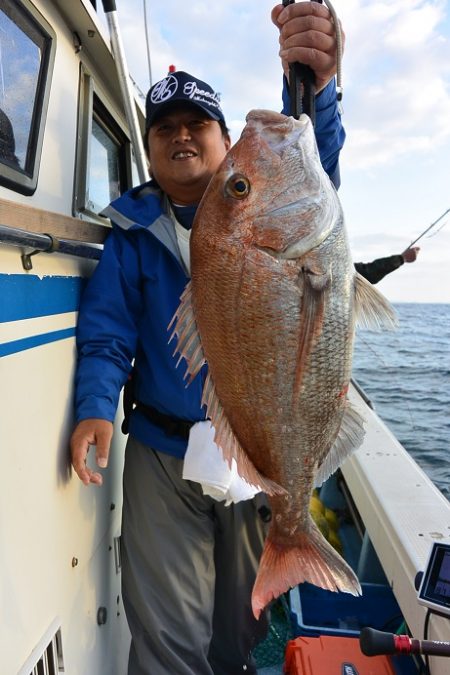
{"x":412,"y":30}
{"x":232,"y":45}
{"x":398,"y":96}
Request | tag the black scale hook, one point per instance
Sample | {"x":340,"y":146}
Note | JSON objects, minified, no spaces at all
{"x":302,"y":85}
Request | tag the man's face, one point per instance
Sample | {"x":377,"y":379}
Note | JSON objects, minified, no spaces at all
{"x":186,"y":148}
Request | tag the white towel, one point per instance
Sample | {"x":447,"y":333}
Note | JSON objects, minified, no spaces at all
{"x":204,"y":464}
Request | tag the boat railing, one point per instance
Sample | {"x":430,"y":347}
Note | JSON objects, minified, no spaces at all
{"x":362,"y":393}
{"x":46,"y":243}
{"x":38,"y":230}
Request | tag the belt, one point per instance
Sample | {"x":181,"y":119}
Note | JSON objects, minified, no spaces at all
{"x":173,"y":426}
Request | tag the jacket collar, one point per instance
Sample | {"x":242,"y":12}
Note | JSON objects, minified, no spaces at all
{"x":146,"y":207}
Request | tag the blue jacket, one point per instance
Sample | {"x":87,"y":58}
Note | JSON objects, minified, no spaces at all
{"x":132,"y":297}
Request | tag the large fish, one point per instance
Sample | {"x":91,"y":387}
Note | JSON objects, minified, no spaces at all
{"x":271,"y":307}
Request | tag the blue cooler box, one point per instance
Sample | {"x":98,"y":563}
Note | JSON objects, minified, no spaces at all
{"x":317,"y":612}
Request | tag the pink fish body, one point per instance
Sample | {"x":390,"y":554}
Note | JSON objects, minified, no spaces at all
{"x":271,"y":307}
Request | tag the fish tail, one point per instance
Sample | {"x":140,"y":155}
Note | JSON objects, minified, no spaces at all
{"x":309,"y":558}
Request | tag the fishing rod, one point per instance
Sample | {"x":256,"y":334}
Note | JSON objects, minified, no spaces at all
{"x":302,"y":80}
{"x":109,"y":7}
{"x":429,"y":228}
{"x":374,"y":642}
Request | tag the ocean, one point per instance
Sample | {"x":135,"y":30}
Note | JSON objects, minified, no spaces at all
{"x":406,"y":375}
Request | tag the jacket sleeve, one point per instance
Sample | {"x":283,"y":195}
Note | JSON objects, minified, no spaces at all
{"x":107,"y":330}
{"x":330,"y":133}
{"x":377,"y":269}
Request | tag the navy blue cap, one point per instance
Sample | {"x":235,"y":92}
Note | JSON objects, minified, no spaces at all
{"x":180,"y":86}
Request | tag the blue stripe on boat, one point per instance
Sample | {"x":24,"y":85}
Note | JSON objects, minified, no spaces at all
{"x":24,"y":296}
{"x":21,"y":345}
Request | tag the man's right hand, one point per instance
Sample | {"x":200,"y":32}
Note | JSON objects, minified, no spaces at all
{"x":88,"y":432}
{"x":411,"y":254}
{"x":308,"y":35}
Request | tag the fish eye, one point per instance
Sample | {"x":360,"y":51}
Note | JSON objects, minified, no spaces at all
{"x":237,"y":186}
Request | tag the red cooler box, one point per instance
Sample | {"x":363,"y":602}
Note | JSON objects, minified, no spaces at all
{"x":330,"y":655}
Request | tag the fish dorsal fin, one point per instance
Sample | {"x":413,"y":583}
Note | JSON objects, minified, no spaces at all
{"x":229,"y":444}
{"x":189,"y":345}
{"x":350,"y":436}
{"x":373,"y":311}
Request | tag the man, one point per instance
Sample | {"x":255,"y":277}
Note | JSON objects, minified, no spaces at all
{"x":7,"y":141}
{"x":376,"y":270}
{"x":189,"y":562}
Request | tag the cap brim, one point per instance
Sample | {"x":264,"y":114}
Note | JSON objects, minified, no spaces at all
{"x":163,"y":108}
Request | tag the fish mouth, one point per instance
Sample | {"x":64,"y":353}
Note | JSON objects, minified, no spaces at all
{"x":305,"y":239}
{"x":278,"y":130}
{"x":286,"y":209}
{"x":297,"y":249}
{"x":271,"y":119}
{"x":300,"y":214}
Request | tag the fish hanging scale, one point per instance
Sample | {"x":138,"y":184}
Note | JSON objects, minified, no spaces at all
{"x":302,"y":88}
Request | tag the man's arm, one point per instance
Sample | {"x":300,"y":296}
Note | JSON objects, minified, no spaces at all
{"x":106,"y":342}
{"x":307,"y":35}
{"x":377,"y":269}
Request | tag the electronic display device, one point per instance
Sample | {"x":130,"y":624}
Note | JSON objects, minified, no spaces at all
{"x":434,"y":591}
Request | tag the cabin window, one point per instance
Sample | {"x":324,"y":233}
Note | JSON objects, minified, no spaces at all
{"x":27,"y":45}
{"x":104,"y":167}
{"x":104,"y":163}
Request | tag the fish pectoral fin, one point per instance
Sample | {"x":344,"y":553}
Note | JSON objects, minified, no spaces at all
{"x":312,"y":314}
{"x":373,"y":311}
{"x":350,"y":436}
{"x":189,"y":345}
{"x":226,"y":440}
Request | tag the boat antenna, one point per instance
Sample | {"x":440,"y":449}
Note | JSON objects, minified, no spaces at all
{"x":109,"y":7}
{"x":429,"y":228}
{"x":147,"y":42}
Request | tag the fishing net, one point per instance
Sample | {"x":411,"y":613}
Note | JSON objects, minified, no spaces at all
{"x":271,"y":651}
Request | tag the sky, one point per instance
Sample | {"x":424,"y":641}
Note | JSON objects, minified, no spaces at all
{"x":395,"y":165}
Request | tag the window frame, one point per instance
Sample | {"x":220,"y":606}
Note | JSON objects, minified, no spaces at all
{"x":25,"y":180}
{"x":90,"y":107}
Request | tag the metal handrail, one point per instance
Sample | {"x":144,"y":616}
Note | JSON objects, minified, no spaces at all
{"x":47,"y":243}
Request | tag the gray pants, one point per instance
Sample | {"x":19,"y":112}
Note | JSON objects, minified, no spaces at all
{"x":188,"y":567}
